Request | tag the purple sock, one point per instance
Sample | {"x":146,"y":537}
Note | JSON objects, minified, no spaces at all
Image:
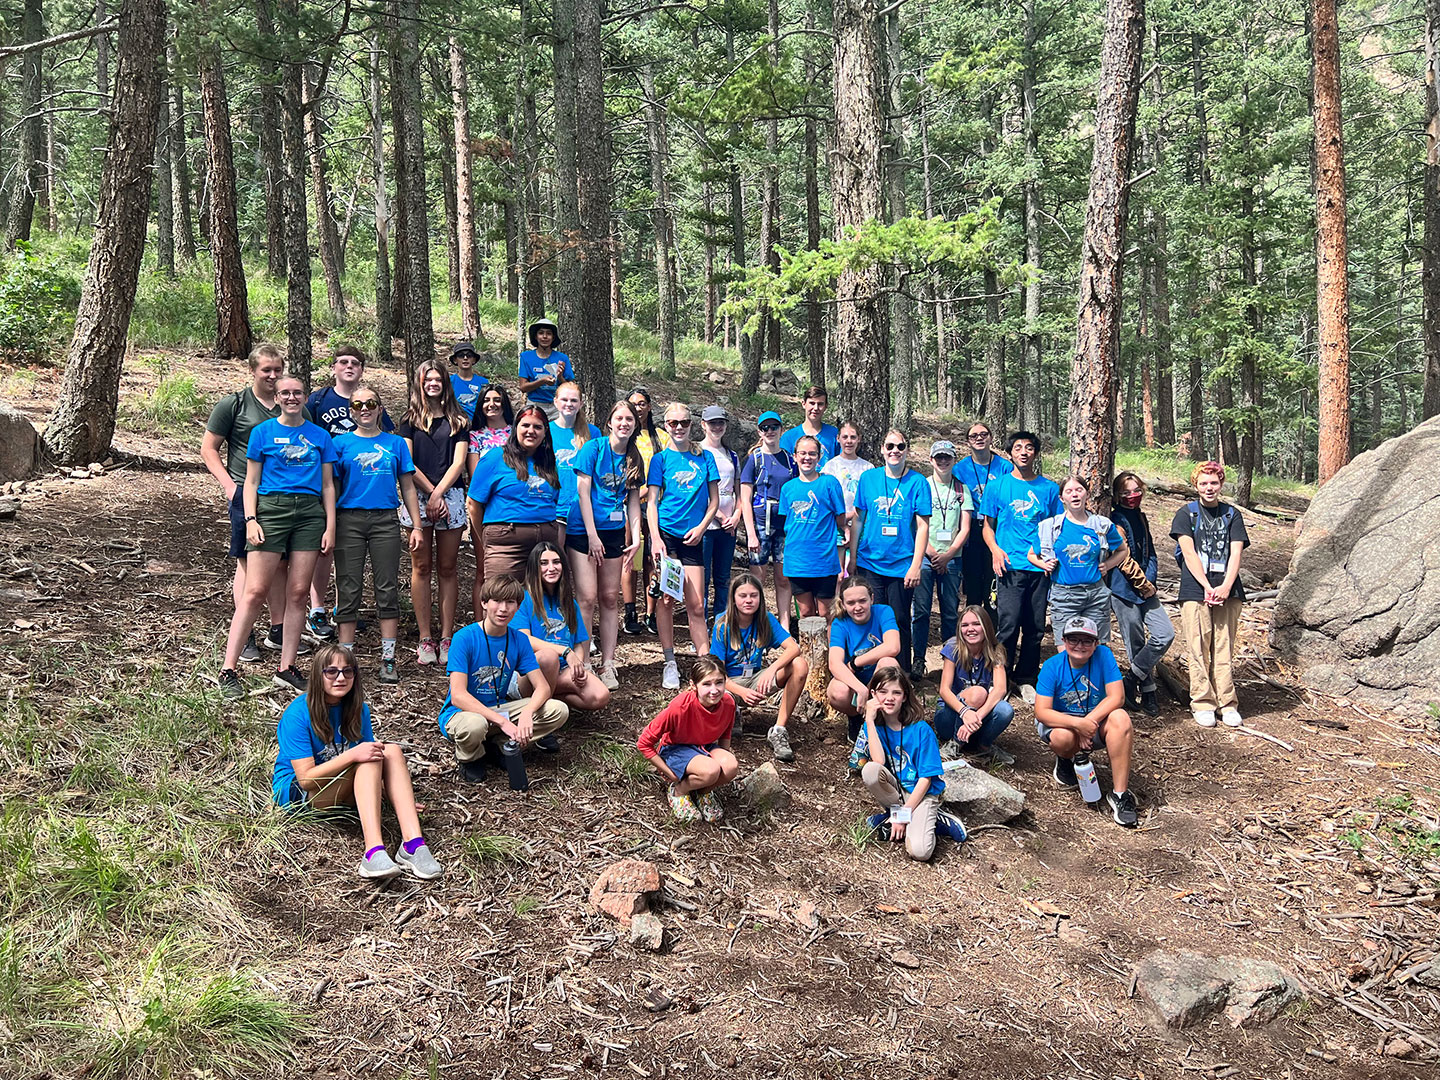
{"x":377,"y":847}
{"x":412,"y":846}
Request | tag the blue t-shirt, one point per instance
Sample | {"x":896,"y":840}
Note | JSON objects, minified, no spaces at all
{"x":563,"y":439}
{"x":489,"y":663}
{"x":683,"y":480}
{"x":977,"y":478}
{"x":332,"y":412}
{"x":557,"y":365}
{"x":290,"y":457}
{"x":1078,"y":551}
{"x":829,"y":439}
{"x":889,"y":507}
{"x":606,"y":469}
{"x":552,"y":627}
{"x":297,"y":742}
{"x":467,"y":391}
{"x":856,"y":638}
{"x":369,"y":470}
{"x":1017,"y":507}
{"x":508,"y":499}
{"x":769,"y":473}
{"x":748,"y":658}
{"x":810,"y":511}
{"x":1075,"y":690}
{"x":912,"y":753}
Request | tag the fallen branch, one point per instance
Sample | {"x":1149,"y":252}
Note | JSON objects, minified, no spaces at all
{"x":1266,"y":736}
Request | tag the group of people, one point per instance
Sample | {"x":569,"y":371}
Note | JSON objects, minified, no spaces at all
{"x":570,"y":520}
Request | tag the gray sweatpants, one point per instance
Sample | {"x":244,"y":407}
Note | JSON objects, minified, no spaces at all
{"x":1147,"y":632}
{"x":1092,"y":601}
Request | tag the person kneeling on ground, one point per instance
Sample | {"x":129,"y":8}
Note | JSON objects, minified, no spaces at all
{"x":1079,"y":706}
{"x":484,"y":657}
{"x":329,"y":756}
{"x":904,"y":772}
{"x":743,"y":636}
{"x":689,"y":743}
{"x":550,"y":617}
{"x":972,"y":711}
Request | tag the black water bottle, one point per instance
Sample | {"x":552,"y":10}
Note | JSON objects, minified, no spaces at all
{"x":514,"y":766}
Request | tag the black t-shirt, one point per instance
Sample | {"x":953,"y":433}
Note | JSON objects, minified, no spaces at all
{"x":1213,"y":538}
{"x":434,"y":450}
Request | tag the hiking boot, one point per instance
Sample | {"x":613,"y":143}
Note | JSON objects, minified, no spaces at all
{"x":445,"y":650}
{"x":1027,"y":692}
{"x":250,"y":652}
{"x":1122,"y":806}
{"x":1231,"y":717}
{"x":422,"y":864}
{"x":917,"y":673}
{"x":1132,"y":691}
{"x":378,"y":866}
{"x":317,"y":625}
{"x":388,"y":674}
{"x":231,"y":688}
{"x":1065,"y":773}
{"x":710,"y":808}
{"x":608,"y":678}
{"x":1205,"y":717}
{"x":670,"y":679}
{"x":947,"y":824}
{"x":682,"y":806}
{"x":426,"y":653}
{"x":1150,"y":702}
{"x":632,"y":625}
{"x":472,"y":772}
{"x":550,"y":744}
{"x":779,"y":740}
{"x":290,"y":678}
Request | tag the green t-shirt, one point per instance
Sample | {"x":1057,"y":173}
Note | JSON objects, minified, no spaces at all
{"x":233,"y":418}
{"x":947,"y":504}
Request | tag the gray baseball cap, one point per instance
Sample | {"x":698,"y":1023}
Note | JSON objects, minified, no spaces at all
{"x":1081,"y":625}
{"x":714,"y":412}
{"x":942,"y":446}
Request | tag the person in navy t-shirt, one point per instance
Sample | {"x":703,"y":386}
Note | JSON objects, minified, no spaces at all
{"x":766,"y":469}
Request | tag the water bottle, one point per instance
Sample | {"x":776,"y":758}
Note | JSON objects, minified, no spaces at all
{"x":514,"y":766}
{"x":1085,"y":773}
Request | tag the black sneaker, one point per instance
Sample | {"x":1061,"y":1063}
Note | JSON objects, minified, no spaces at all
{"x":1150,"y":702}
{"x":231,"y":688}
{"x":1123,"y":808}
{"x":1065,"y":773}
{"x":651,"y":625}
{"x":388,"y":674}
{"x":548,"y":743}
{"x":472,"y":772}
{"x":274,"y":641}
{"x":290,"y":678}
{"x":250,"y":654}
{"x":317,"y":626}
{"x":1132,"y":691}
{"x":633,"y":625}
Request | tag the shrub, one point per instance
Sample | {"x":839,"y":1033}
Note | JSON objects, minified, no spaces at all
{"x":37,"y":305}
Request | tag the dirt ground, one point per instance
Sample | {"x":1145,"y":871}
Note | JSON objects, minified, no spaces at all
{"x":1009,"y":956}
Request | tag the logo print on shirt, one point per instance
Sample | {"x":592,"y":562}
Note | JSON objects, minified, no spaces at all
{"x":686,"y":477}
{"x":886,"y":506}
{"x":489,"y":677}
{"x":800,"y":510}
{"x":298,"y":451}
{"x":1079,"y":694}
{"x":1025,"y":508}
{"x":535,"y":483}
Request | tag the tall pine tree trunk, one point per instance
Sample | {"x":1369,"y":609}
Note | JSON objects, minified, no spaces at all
{"x":595,"y":347}
{"x":1196,"y":388}
{"x":419,"y":324}
{"x":1430,"y":256}
{"x":814,"y":312}
{"x":658,"y":143}
{"x":274,"y":176}
{"x":384,"y":328}
{"x":445,"y":140}
{"x":82,"y":424}
{"x":1160,"y":274}
{"x":1028,"y":380}
{"x":1331,"y":284}
{"x":749,"y":357}
{"x":398,"y":274}
{"x":30,"y":162}
{"x":465,"y":193}
{"x":567,"y":193}
{"x":164,"y":207}
{"x":180,"y":161}
{"x":232,"y":306}
{"x":332,"y":258}
{"x":298,"y":304}
{"x":902,"y":308}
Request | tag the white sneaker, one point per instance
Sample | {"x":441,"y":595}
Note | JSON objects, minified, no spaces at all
{"x":671,"y":679}
{"x":1205,"y":717}
{"x":608,"y":678}
{"x":1231,"y":717}
{"x":1028,"y":693}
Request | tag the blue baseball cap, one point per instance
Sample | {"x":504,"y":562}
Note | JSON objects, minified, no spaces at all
{"x":764,"y":416}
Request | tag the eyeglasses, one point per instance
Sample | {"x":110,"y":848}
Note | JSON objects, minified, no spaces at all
{"x":896,"y":445}
{"x":769,"y":427}
{"x":347,"y":672}
{"x":980,"y":435}
{"x":290,"y":393}
{"x":1079,"y":639}
{"x":356,"y":406}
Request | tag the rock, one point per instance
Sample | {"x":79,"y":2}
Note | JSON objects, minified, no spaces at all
{"x":1397,"y":1047}
{"x":716,"y":377}
{"x":657,"y":1000}
{"x":8,"y":509}
{"x":19,"y":444}
{"x":647,"y":931}
{"x":623,"y":889}
{"x":1185,"y":988}
{"x":905,"y":959}
{"x":79,"y":474}
{"x":95,"y":468}
{"x":807,"y":916}
{"x":1358,"y":611}
{"x":978,"y":797}
{"x":763,"y":789}
{"x":741,"y":433}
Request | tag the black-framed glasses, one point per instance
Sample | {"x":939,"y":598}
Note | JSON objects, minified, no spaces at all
{"x":896,"y":446}
{"x":1079,"y":639}
{"x":347,"y":672}
{"x":981,"y":435}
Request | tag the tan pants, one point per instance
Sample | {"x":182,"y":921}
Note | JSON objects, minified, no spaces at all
{"x":885,"y":790}
{"x":470,"y":730}
{"x":1211,"y":635}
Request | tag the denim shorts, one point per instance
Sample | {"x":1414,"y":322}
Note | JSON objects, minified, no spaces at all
{"x":679,"y":755}
{"x":772,"y":541}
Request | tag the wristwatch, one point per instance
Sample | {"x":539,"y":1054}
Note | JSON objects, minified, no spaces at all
{"x":249,"y":518}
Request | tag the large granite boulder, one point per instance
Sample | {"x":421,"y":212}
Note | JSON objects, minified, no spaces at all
{"x":1359,"y":612}
{"x":19,"y":445}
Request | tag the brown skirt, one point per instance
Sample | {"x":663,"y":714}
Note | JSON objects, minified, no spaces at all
{"x":507,"y":547}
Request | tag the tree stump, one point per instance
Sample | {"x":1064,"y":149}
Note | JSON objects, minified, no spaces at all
{"x":815,"y":646}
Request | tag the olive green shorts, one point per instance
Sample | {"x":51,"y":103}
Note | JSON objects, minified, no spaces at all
{"x":290,"y":523}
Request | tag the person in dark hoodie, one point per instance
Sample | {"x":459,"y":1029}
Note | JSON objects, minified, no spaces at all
{"x":1144,"y":625}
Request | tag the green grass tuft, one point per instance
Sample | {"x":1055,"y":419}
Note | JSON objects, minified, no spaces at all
{"x":605,"y":760}
{"x":495,"y":848}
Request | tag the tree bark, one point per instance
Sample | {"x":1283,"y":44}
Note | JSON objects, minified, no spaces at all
{"x":814,"y":311}
{"x":1430,"y":254}
{"x":749,"y":358}
{"x":657,"y":140}
{"x":530,"y":159}
{"x":29,"y":160}
{"x":862,"y":370}
{"x":902,"y":308}
{"x":180,"y":161}
{"x":1202,"y":153}
{"x":232,"y":308}
{"x":594,"y":343}
{"x":419,"y":325}
{"x":399,"y":274}
{"x":465,"y":193}
{"x":1331,"y":285}
{"x":1160,"y":333}
{"x":1029,"y":376}
{"x":164,"y":206}
{"x":332,"y":259}
{"x":298,"y":304}
{"x":82,"y":424}
{"x":1102,"y":258}
{"x":567,"y":193}
{"x":102,"y":55}
{"x":445,"y":138}
{"x":274,"y":177}
{"x":384,"y":328}
{"x":770,"y":194}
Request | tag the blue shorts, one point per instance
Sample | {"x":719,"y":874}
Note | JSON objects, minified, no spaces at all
{"x":679,"y":755}
{"x":772,"y":542}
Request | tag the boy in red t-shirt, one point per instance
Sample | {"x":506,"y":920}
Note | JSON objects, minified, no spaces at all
{"x":689,"y":743}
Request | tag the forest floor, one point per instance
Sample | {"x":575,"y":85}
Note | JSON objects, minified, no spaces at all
{"x":160,"y":916}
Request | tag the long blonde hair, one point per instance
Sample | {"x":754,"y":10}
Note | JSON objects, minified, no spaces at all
{"x":580,"y":433}
{"x":420,"y":415}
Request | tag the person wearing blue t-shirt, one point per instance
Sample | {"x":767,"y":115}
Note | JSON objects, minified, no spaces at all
{"x":375,"y":473}
{"x":514,"y":495}
{"x":977,"y":572}
{"x":766,"y":469}
{"x":1013,"y":508}
{"x":328,"y":756}
{"x":289,"y":515}
{"x":813,"y":507}
{"x":485,"y":658}
{"x":1079,"y":707}
{"x":558,"y":632}
{"x":1077,"y":549}
{"x":569,"y":432}
{"x":828,"y":435}
{"x":892,"y":527}
{"x":684,"y":498}
{"x":543,"y":367}
{"x":465,"y":380}
{"x":745,"y":634}
{"x":865,"y":636}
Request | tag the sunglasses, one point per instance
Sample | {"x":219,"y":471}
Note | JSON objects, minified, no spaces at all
{"x":943,"y":457}
{"x":685,"y":422}
{"x":355,"y":406}
{"x":338,"y":672}
{"x":896,"y":446}
{"x":981,"y":435}
{"x":769,"y":427}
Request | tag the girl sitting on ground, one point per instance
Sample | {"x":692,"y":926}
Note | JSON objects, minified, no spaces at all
{"x":973,"y":711}
{"x":689,"y":743}
{"x":903,"y":774}
{"x":744,"y":635}
{"x":551,"y":618}
{"x":329,"y":756}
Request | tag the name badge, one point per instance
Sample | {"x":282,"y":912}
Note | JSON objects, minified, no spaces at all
{"x":900,"y":815}
{"x":747,"y":671}
{"x":617,"y":515}
{"x":889,"y":530}
{"x":1217,"y":566}
{"x":943,"y":538}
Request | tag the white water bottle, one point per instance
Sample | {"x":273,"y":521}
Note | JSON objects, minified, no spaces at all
{"x":1085,"y":773}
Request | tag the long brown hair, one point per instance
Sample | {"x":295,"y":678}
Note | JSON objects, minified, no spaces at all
{"x":506,"y":409}
{"x":564,"y":590}
{"x":352,"y":705}
{"x":991,"y":650}
{"x":419,"y":414}
{"x":544,"y":455}
{"x":580,"y":433}
{"x":634,"y":460}
{"x":913,"y":711}
{"x":760,"y":622}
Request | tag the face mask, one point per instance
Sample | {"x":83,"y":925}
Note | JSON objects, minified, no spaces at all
{"x":1131,"y":501}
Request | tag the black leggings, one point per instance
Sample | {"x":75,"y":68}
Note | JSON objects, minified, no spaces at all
{"x":891,"y":591}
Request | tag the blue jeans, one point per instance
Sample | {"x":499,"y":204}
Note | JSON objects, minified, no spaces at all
{"x":717,"y":554}
{"x":947,"y":723}
{"x":949,"y":589}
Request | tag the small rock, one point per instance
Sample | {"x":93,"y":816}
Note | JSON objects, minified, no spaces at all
{"x":657,"y":1000}
{"x":906,"y":960}
{"x":715,"y":377}
{"x":623,"y":889}
{"x":763,"y":789}
{"x":79,"y":474}
{"x":647,"y":931}
{"x":1185,"y":988}
{"x":8,"y":509}
{"x":807,"y":916}
{"x":95,"y":468}
{"x":1254,"y":832}
{"x":1072,"y":934}
{"x":1398,"y":1048}
{"x":978,"y":797}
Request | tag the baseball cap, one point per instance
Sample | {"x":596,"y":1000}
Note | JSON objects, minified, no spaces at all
{"x":713,"y":412}
{"x":765,"y":416}
{"x":1081,"y":625}
{"x":942,"y":446}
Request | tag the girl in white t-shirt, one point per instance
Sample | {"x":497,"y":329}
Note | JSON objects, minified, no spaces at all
{"x":847,"y":469}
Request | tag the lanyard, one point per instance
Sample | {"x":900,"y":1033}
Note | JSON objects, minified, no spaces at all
{"x":893,"y":495}
{"x":941,"y":504}
{"x":497,"y":684}
{"x":1083,"y":677}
